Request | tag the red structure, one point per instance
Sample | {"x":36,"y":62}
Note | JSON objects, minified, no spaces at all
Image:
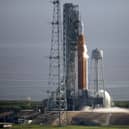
{"x":82,"y":63}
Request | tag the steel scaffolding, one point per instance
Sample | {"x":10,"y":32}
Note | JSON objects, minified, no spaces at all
{"x":57,"y":99}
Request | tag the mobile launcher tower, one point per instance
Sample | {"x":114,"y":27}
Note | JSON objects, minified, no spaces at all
{"x":75,"y":57}
{"x":70,"y":38}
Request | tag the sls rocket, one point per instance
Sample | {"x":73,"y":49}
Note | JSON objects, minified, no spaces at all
{"x":82,"y":60}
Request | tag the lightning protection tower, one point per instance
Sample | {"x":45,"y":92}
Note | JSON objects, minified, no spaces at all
{"x":56,"y":101}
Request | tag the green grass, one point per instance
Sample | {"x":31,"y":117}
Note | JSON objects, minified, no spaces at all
{"x":18,"y":105}
{"x":122,"y":104}
{"x":67,"y":127}
{"x":24,"y":104}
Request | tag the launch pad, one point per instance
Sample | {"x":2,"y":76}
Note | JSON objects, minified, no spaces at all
{"x":69,"y":71}
{"x":79,"y":98}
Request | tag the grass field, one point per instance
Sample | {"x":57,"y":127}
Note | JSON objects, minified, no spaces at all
{"x":67,"y":127}
{"x":18,"y":105}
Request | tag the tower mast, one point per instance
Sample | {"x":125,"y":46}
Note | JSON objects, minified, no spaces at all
{"x":56,"y":102}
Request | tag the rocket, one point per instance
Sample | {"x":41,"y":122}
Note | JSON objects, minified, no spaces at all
{"x":82,"y":60}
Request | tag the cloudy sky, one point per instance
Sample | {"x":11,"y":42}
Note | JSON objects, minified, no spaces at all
{"x":25,"y":37}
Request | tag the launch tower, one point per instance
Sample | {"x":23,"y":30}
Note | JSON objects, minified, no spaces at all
{"x":70,"y":40}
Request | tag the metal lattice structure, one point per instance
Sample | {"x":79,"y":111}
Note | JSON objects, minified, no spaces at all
{"x":56,"y":101}
{"x":70,"y":40}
